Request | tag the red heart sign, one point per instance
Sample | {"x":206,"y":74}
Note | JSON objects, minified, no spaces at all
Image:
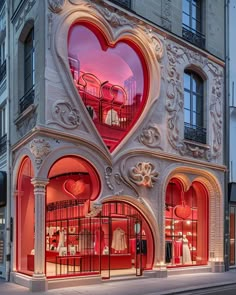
{"x":74,"y":188}
{"x":182,"y":211}
{"x":110,"y":79}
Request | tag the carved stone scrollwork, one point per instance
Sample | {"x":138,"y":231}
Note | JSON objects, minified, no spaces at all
{"x":108,"y":174}
{"x":155,"y":42}
{"x":95,"y":209}
{"x":143,"y":174}
{"x":150,"y":136}
{"x":26,"y":124}
{"x":40,"y":148}
{"x":175,"y":103}
{"x":56,"y":6}
{"x":64,"y":115}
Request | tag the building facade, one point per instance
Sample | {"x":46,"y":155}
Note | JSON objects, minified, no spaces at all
{"x":117,"y":139}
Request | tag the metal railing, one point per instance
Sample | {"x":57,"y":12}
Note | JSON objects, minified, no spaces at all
{"x":3,"y":71}
{"x":194,"y":133}
{"x":3,"y":144}
{"x":193,"y":36}
{"x":26,"y":100}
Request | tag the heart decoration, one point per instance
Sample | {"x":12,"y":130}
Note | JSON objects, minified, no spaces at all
{"x":74,"y":188}
{"x":110,"y":79}
{"x":182,"y":211}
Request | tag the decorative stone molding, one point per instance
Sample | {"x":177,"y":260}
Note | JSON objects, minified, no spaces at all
{"x":40,"y":148}
{"x":155,"y":42}
{"x":56,"y":6}
{"x":178,"y":55}
{"x":95,"y":209}
{"x":49,"y":35}
{"x":150,"y":136}
{"x":108,"y":174}
{"x":143,"y":174}
{"x":26,"y":123}
{"x":64,"y":115}
{"x":24,"y":13}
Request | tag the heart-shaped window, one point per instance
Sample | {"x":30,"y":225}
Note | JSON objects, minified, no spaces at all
{"x":110,"y":78}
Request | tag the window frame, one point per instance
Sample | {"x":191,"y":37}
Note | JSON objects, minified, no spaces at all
{"x":194,"y":128}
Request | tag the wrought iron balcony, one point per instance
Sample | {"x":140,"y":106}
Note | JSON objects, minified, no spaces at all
{"x":3,"y":144}
{"x":27,"y":100}
{"x":124,"y":3}
{"x":194,"y":133}
{"x":193,"y":36}
{"x":3,"y":70}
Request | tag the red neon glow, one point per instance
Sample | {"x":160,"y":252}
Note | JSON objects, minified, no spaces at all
{"x":111,"y":81}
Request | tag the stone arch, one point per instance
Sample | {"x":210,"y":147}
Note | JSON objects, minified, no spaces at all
{"x":216,"y":202}
{"x":148,"y":214}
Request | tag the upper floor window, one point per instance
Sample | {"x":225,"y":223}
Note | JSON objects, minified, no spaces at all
{"x":3,"y":130}
{"x":192,"y":22}
{"x":125,"y":3}
{"x":29,"y":71}
{"x":193,"y":107}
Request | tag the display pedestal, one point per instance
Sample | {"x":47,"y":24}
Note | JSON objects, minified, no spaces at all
{"x":217,"y":266}
{"x":39,"y":283}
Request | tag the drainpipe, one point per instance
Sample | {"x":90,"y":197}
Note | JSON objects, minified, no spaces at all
{"x":226,"y":136}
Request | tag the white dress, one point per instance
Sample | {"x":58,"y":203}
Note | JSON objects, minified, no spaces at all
{"x":186,"y":252}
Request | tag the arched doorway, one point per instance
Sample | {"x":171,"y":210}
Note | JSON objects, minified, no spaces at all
{"x":186,"y":224}
{"x":25,"y":205}
{"x":114,"y":240}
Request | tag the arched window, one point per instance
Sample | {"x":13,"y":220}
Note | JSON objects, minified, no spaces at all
{"x":29,"y":71}
{"x":193,"y":107}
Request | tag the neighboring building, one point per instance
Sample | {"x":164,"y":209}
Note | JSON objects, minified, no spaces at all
{"x":4,"y":151}
{"x":117,"y":139}
{"x":231,"y":87}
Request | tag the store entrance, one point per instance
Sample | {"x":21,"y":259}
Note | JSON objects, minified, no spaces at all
{"x":117,"y":242}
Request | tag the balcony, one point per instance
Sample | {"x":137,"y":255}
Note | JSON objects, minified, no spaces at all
{"x":193,"y":36}
{"x":194,"y":133}
{"x":3,"y":144}
{"x":123,"y":3}
{"x":3,"y":70}
{"x":26,"y":100}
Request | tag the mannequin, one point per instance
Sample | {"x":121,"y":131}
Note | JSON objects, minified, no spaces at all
{"x":61,"y":239}
{"x":186,"y":252}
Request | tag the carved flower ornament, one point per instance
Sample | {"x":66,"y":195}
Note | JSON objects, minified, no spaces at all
{"x":143,"y":174}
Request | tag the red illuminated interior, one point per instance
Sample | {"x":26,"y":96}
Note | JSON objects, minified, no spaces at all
{"x":111,"y":80}
{"x":186,"y":228}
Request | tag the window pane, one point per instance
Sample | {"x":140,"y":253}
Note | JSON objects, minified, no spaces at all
{"x":186,"y":19}
{"x":194,"y":118}
{"x":187,"y":100}
{"x":186,"y":81}
{"x":187,"y":116}
{"x":186,"y":6}
{"x":199,"y":104}
{"x":194,"y":103}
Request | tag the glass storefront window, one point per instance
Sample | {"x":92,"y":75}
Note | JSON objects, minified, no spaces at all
{"x":25,"y":218}
{"x":186,"y":225}
{"x":111,"y":80}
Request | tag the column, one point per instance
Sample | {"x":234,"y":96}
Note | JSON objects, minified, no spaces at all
{"x":39,"y":278}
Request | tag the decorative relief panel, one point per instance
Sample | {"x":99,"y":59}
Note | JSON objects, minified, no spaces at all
{"x":179,"y":57}
{"x":26,"y":124}
{"x":40,"y":148}
{"x":150,"y":136}
{"x":56,"y":6}
{"x":25,"y":11}
{"x":143,"y":174}
{"x":65,"y":115}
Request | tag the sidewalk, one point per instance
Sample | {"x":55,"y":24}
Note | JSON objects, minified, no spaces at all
{"x":175,"y":284}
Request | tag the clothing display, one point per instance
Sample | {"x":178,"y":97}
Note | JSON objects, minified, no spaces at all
{"x":85,"y":240}
{"x":118,"y":240}
{"x":62,"y":239}
{"x":168,"y":251}
{"x":99,"y":241}
{"x":186,"y":252}
{"x":112,"y":118}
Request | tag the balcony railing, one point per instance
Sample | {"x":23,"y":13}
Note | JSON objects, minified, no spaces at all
{"x":27,"y":100}
{"x":3,"y":70}
{"x":3,"y":144}
{"x":193,"y":36}
{"x":124,"y":3}
{"x":194,"y":133}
